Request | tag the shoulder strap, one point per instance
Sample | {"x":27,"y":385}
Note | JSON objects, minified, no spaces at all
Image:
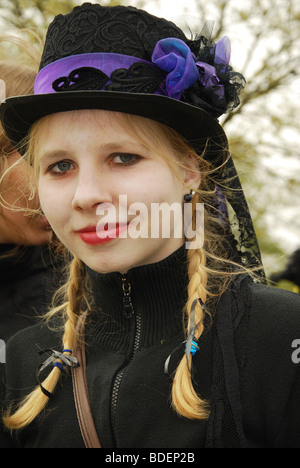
{"x":81,"y":397}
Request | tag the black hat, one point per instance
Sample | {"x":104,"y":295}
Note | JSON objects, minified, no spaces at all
{"x":124,"y":59}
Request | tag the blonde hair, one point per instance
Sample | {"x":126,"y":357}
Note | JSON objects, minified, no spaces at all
{"x":19,"y":80}
{"x":208,"y":272}
{"x":18,"y":74}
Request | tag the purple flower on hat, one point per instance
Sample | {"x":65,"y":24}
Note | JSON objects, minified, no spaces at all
{"x":223,"y":51}
{"x":217,"y":83}
{"x":175,"y":57}
{"x":208,"y":74}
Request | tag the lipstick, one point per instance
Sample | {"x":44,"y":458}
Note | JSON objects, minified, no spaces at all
{"x":93,"y":236}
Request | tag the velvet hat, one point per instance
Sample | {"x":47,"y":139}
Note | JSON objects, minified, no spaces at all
{"x":127,"y":60}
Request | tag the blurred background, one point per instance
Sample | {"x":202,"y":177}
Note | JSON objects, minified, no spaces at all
{"x":264,"y":131}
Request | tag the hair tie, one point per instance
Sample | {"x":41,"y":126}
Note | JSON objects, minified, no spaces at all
{"x":69,"y":361}
{"x":194,"y":348}
{"x":59,"y":365}
{"x":191,"y":344}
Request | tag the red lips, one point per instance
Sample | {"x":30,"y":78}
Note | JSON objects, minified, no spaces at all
{"x":93,"y":236}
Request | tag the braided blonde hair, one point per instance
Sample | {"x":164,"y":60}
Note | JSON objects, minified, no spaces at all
{"x":204,"y":281}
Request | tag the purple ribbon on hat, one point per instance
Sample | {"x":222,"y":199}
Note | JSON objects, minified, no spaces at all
{"x":175,"y":57}
{"x":223,"y":51}
{"x":106,"y":62}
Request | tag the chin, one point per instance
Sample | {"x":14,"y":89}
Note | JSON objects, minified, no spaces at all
{"x":122,"y":258}
{"x":101,"y":267}
{"x":109,"y":262}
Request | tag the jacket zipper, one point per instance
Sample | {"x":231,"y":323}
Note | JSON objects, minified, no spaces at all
{"x":128,"y":312}
{"x":127,"y":303}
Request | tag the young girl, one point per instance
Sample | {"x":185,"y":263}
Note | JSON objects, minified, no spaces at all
{"x":179,"y":347}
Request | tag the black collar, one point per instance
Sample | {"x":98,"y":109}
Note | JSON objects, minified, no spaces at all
{"x":157,"y":293}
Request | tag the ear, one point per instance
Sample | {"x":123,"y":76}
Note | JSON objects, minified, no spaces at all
{"x":192,"y":176}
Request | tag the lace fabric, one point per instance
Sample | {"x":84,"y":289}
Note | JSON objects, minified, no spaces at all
{"x":241,"y":230}
{"x":134,"y":34}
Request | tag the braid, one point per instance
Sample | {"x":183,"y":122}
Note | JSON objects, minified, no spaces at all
{"x":36,"y":401}
{"x":75,"y":295}
{"x":184,"y":397}
{"x":196,"y":287}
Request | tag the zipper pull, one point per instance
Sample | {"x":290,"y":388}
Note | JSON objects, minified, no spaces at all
{"x":128,"y":310}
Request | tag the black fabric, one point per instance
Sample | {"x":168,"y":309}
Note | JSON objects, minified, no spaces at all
{"x":27,"y":282}
{"x":229,"y":362}
{"x":257,"y":322}
{"x":93,"y":28}
{"x":273,"y":411}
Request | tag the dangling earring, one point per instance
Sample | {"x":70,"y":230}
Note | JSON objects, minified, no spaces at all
{"x":189,"y":196}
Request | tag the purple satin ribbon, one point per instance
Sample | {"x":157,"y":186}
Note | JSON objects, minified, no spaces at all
{"x":106,"y":62}
{"x":175,"y":57}
{"x":223,"y":51}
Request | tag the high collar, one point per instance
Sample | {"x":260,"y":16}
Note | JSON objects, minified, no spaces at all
{"x":157,"y":293}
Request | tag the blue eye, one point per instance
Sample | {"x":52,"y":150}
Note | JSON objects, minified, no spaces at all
{"x":61,"y":167}
{"x":125,"y":158}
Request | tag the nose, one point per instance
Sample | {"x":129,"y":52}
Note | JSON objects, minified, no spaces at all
{"x":92,"y":189}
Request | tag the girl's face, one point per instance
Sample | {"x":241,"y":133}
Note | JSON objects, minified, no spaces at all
{"x":16,"y":225}
{"x":92,"y":170}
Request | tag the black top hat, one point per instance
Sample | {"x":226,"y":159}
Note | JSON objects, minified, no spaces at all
{"x":124,"y":59}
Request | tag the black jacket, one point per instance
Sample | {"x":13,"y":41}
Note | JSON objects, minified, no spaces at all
{"x":27,"y":281}
{"x":244,"y":367}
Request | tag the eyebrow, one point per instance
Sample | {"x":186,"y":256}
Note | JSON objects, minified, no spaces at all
{"x":54,"y":154}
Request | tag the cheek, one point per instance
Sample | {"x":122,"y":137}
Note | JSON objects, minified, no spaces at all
{"x":52,"y":203}
{"x":165,"y":188}
{"x":157,"y":183}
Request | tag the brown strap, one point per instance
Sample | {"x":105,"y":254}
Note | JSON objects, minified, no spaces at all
{"x":82,"y":402}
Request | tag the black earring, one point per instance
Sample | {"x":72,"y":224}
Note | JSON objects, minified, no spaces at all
{"x":189,"y":196}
